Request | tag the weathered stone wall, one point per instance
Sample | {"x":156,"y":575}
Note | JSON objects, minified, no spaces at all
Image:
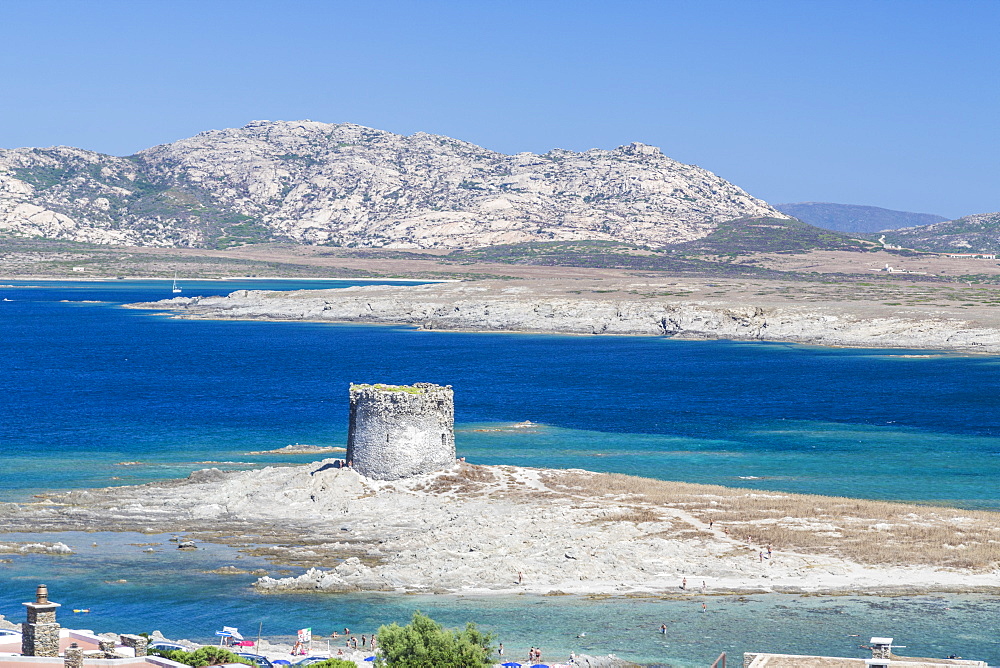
{"x":138,"y":643}
{"x":399,"y":431}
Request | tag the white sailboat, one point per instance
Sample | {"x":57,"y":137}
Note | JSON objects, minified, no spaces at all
{"x":176,"y":289}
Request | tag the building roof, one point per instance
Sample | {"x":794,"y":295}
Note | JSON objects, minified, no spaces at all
{"x":765,"y":660}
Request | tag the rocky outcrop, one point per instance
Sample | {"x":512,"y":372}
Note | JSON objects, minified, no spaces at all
{"x":492,"y":306}
{"x":507,"y":529}
{"x":35,"y":548}
{"x":349,"y":185}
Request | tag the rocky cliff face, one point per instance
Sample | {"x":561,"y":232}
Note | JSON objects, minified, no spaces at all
{"x":350,"y":185}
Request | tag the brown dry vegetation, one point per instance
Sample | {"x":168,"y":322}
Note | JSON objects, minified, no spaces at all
{"x":867,"y":532}
{"x":466,"y":479}
{"x":637,"y":515}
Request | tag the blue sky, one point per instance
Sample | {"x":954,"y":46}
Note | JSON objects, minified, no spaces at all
{"x":885,"y":103}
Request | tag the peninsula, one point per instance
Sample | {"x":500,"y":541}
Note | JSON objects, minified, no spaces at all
{"x":940,"y":316}
{"x":502,"y":529}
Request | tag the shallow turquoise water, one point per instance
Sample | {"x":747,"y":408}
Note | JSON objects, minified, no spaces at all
{"x":169,"y":590}
{"x":90,"y":386}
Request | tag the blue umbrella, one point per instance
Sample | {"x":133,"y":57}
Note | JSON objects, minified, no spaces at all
{"x":511,"y":664}
{"x":371,"y":658}
{"x":539,"y":665}
{"x":281,"y":662}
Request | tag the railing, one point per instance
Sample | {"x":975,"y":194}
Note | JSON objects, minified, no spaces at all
{"x":720,"y":662}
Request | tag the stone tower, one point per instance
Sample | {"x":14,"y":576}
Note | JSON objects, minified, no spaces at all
{"x":398,"y":431}
{"x":40,"y":634}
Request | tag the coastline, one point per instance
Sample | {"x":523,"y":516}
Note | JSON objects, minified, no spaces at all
{"x":563,"y":532}
{"x":632,"y":308}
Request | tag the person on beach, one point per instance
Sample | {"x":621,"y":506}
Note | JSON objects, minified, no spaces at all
{"x":768,"y":551}
{"x":335,"y":635}
{"x":760,"y":555}
{"x":364,"y":641}
{"x":347,"y":631}
{"x":663,"y":629}
{"x":520,"y":578}
{"x":710,"y":523}
{"x":704,"y":607}
{"x":500,"y":650}
{"x":684,"y":583}
{"x":703,"y":586}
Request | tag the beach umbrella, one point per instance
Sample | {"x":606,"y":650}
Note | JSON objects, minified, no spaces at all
{"x":370,"y":658}
{"x":539,"y":665}
{"x":511,"y":664}
{"x":281,"y":662}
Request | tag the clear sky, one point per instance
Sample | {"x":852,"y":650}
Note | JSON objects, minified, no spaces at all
{"x":886,"y":103}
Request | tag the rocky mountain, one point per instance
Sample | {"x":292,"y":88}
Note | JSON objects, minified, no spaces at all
{"x":979,"y":233}
{"x":348,"y":185}
{"x":854,"y":218}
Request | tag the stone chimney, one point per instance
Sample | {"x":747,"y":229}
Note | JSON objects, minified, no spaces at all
{"x":74,"y":656}
{"x":138,"y":643}
{"x":107,"y":648}
{"x":881,"y":648}
{"x":40,"y":634}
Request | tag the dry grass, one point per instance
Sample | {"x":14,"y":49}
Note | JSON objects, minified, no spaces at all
{"x":637,"y":515}
{"x":868,"y":532}
{"x":467,"y":479}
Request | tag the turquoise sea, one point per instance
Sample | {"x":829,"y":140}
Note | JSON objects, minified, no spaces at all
{"x":87,"y":385}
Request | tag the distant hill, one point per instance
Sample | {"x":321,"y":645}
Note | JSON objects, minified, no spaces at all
{"x":979,"y":233}
{"x":854,"y":218}
{"x":771,"y":235}
{"x":348,"y":185}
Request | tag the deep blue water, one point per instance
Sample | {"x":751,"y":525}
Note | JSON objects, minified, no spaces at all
{"x":86,"y":386}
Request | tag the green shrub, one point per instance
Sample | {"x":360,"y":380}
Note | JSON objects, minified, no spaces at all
{"x":203,"y":656}
{"x":423,"y":643}
{"x":334,"y":663}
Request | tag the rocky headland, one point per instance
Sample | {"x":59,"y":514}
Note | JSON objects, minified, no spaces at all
{"x":681,"y":308}
{"x":504,"y":529}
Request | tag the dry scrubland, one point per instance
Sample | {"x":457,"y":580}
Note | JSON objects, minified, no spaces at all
{"x":859,"y":530}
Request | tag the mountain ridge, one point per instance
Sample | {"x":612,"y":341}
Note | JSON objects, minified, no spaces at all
{"x":978,"y":233}
{"x":855,"y":218}
{"x":349,"y":185}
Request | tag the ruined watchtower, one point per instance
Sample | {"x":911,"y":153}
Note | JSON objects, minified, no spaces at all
{"x":40,"y":634}
{"x":401,"y":430}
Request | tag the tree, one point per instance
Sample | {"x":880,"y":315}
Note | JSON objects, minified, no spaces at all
{"x":423,"y":643}
{"x":203,"y":656}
